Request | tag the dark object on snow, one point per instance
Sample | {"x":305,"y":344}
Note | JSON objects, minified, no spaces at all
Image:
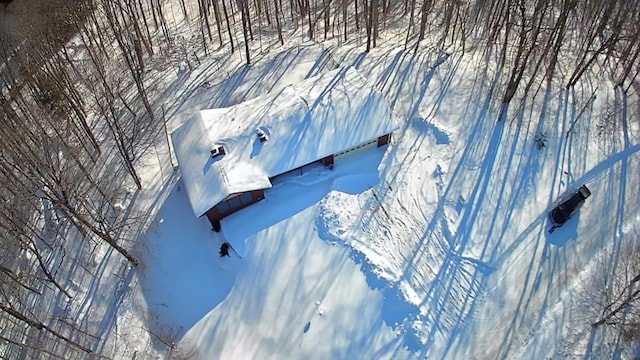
{"x":216,"y":226}
{"x":262,"y":135}
{"x":217,"y":150}
{"x":224,"y":249}
{"x":541,"y":141}
{"x":568,"y":207}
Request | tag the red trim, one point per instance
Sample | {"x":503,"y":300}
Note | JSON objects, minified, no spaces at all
{"x":327,"y":161}
{"x":233,"y":203}
{"x":384,"y":139}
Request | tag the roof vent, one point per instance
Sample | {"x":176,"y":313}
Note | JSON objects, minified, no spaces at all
{"x":217,"y":150}
{"x":262,"y":135}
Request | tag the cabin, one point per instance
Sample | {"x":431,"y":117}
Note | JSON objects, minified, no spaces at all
{"x":228,"y":157}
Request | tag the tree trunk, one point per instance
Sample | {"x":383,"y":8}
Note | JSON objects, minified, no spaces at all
{"x":344,"y":17}
{"x":226,"y":17}
{"x":423,"y":21}
{"x":216,"y":11}
{"x":244,"y":13}
{"x":278,"y":25}
{"x":411,"y":17}
{"x":369,"y":11}
{"x":375,"y":18}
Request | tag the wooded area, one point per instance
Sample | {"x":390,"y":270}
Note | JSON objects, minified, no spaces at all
{"x":72,"y":130}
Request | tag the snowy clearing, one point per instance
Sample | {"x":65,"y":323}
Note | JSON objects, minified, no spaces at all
{"x":436,"y":248}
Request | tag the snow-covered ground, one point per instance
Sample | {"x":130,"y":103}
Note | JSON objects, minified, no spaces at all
{"x":435,"y":246}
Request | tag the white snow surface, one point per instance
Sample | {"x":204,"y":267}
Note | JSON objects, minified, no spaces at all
{"x":435,"y":246}
{"x":303,"y":123}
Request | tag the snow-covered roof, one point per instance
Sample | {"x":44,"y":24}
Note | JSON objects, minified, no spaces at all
{"x":303,"y":123}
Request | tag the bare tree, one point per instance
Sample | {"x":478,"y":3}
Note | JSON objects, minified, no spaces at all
{"x":278,"y":25}
{"x":424,"y":13}
{"x":216,"y":13}
{"x":8,"y":309}
{"x":617,"y":290}
{"x":226,"y":17}
{"x":244,"y":11}
{"x":204,"y":23}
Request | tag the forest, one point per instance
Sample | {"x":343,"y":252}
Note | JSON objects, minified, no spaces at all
{"x":79,"y":109}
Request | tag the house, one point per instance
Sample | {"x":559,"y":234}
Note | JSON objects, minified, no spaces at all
{"x":229,"y":156}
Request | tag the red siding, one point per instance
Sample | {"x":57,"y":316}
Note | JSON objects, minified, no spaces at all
{"x":327,"y":161}
{"x":384,"y":139}
{"x":233,"y":203}
{"x":213,"y":215}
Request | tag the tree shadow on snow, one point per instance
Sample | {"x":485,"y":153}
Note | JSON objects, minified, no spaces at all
{"x":442,"y":295}
{"x":494,"y":193}
{"x":200,"y":90}
{"x":553,"y":257}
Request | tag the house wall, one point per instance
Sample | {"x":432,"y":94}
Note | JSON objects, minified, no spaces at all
{"x":330,"y":160}
{"x":297,"y":171}
{"x":384,"y":139}
{"x":357,"y":149}
{"x":233,"y":203}
{"x":327,"y":161}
